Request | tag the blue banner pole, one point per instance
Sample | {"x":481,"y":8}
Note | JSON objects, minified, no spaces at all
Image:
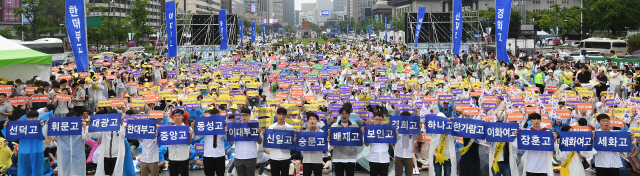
{"x":241,"y":32}
{"x":421,"y":12}
{"x":457,"y":26}
{"x":253,"y":31}
{"x":75,"y":21}
{"x":503,"y":14}
{"x":264,"y":29}
{"x":222,"y":18}
{"x":385,"y":28}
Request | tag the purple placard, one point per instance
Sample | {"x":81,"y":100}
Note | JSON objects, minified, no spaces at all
{"x":192,"y":106}
{"x":518,"y":103}
{"x":283,"y":92}
{"x":384,"y":80}
{"x":489,"y":105}
{"x":456,"y":91}
{"x":359,"y":103}
{"x":312,"y":79}
{"x":315,"y":88}
{"x":337,"y":105}
{"x":573,"y":103}
{"x":178,"y":107}
{"x":333,"y":98}
{"x":97,"y":64}
{"x":419,"y":104}
{"x":445,"y":97}
{"x":344,"y":94}
{"x":611,"y":102}
{"x":344,"y":89}
{"x":394,"y":101}
{"x":399,"y":86}
{"x":328,"y":92}
{"x":334,"y":109}
{"x":545,"y":96}
{"x":374,"y":102}
{"x":322,"y":115}
{"x":140,"y":116}
{"x":324,"y":76}
{"x":199,"y":147}
{"x":405,"y":96}
{"x":126,"y":118}
{"x":364,"y":115}
{"x":385,"y":98}
{"x":172,"y":73}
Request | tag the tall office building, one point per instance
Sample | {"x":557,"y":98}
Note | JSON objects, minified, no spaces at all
{"x":296,"y":20}
{"x":198,"y":6}
{"x":233,"y":7}
{"x":289,"y":12}
{"x":120,"y":8}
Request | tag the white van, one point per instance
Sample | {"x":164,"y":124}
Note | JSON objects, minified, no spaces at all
{"x":604,"y":45}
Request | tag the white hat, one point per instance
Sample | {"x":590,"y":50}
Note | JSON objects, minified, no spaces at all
{"x":441,"y":115}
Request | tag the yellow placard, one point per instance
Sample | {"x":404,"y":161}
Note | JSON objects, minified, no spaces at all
{"x":253,"y":85}
{"x":412,"y":82}
{"x":163,"y":94}
{"x":252,"y":93}
{"x":317,"y":102}
{"x":636,"y":131}
{"x":265,"y":122}
{"x":207,"y":101}
{"x":214,"y":85}
{"x":293,"y":110}
{"x":431,"y":84}
{"x":201,"y":86}
{"x":295,"y":123}
{"x":454,"y":85}
{"x":104,"y":104}
{"x":194,"y":94}
{"x":189,"y":101}
{"x":264,"y":111}
{"x":137,"y":103}
{"x":273,"y":101}
{"x":619,"y":112}
{"x":234,"y":85}
{"x":311,"y":107}
{"x":238,"y":99}
{"x":581,"y":89}
{"x":234,"y":79}
{"x":570,"y":93}
{"x":585,"y":93}
{"x":476,"y":84}
{"x":171,"y":97}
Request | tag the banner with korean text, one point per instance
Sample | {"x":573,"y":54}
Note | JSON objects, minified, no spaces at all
{"x":346,"y":136}
{"x":141,"y":129}
{"x":421,"y":11}
{"x":172,"y":33}
{"x":241,"y":31}
{"x":222,"y":21}
{"x":29,"y":129}
{"x":612,"y":141}
{"x":311,"y":141}
{"x":502,"y":16}
{"x":380,"y":134}
{"x":468,"y":128}
{"x":105,"y":122}
{"x":576,"y":141}
{"x":279,"y":139}
{"x":209,"y":125}
{"x":173,"y":135}
{"x":406,"y":124}
{"x":75,"y":21}
{"x":535,"y":140}
{"x":438,"y":125}
{"x":63,"y":126}
{"x":457,"y":26}
{"x":243,"y":131}
{"x":500,"y":132}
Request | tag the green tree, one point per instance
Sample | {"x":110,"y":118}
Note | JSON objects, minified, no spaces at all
{"x":45,"y":17}
{"x":397,"y":20}
{"x":7,"y":33}
{"x":139,"y":15}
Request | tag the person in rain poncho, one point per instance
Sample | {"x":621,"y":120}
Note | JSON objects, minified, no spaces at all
{"x":446,"y":150}
{"x":95,"y":88}
{"x":112,"y":150}
{"x":70,"y":153}
{"x":31,"y":151}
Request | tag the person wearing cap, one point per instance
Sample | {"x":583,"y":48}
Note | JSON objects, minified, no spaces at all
{"x":447,"y":109}
{"x":246,"y":151}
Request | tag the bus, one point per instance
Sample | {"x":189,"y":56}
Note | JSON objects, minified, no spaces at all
{"x":52,"y":46}
{"x":604,"y":46}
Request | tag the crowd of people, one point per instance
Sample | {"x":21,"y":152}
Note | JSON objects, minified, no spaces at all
{"x":298,"y":81}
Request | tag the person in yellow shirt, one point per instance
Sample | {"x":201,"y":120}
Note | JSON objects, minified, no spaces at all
{"x":5,"y":156}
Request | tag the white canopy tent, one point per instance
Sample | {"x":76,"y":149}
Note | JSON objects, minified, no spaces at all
{"x":20,"y":62}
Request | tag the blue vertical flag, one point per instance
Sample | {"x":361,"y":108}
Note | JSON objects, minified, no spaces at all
{"x":385,"y":28}
{"x":347,"y":30}
{"x":279,"y":31}
{"x":421,"y":11}
{"x":503,"y":14}
{"x":172,"y":38}
{"x":264,"y":28}
{"x":222,"y":19}
{"x":339,"y":31}
{"x":457,"y":25}
{"x":77,"y":30}
{"x":369,"y":29}
{"x":241,"y":31}
{"x":253,"y":31}
{"x":355,"y":30}
{"x":273,"y":34}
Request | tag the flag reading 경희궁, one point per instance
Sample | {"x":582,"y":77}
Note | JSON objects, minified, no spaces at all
{"x":421,"y":11}
{"x":172,"y":38}
{"x":222,"y":21}
{"x":241,"y":34}
{"x":457,"y":26}
{"x":253,"y":31}
{"x":503,"y":14}
{"x":77,"y":30}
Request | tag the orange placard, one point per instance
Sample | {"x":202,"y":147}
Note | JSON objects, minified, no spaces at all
{"x":471,"y":111}
{"x":118,"y":103}
{"x":309,"y":97}
{"x":281,"y":96}
{"x":296,"y":102}
{"x":425,"y":138}
{"x":163,"y":81}
{"x":473,"y":94}
{"x":283,"y":85}
{"x":193,"y":76}
{"x":515,"y":117}
{"x":544,"y":116}
{"x":151,"y":99}
{"x":18,"y":101}
{"x":83,"y":74}
{"x":547,"y":123}
{"x":6,"y":89}
{"x":62,"y":97}
{"x":132,"y":84}
{"x":430,"y":98}
{"x":580,"y":128}
{"x":156,"y":114}
{"x":65,"y":76}
{"x":110,"y":77}
{"x":584,"y":106}
{"x":551,"y":89}
{"x":491,"y":118}
{"x":296,"y":88}
{"x":137,"y":98}
{"x":118,"y":99}
{"x":530,"y":110}
{"x":461,"y":107}
{"x":564,"y":113}
{"x":30,"y":90}
{"x":550,"y":107}
{"x":572,"y":98}
{"x":297,"y":94}
{"x":39,"y":98}
{"x":490,"y":99}
{"x":158,"y":64}
{"x":616,"y":122}
{"x":55,"y":69}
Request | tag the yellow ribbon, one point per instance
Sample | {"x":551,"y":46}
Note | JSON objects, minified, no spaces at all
{"x":464,"y":149}
{"x":440,"y":158}
{"x":564,"y":170}
{"x":496,"y":155}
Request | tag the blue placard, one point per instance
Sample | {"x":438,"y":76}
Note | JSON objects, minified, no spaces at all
{"x":380,"y":134}
{"x":29,"y":129}
{"x":222,"y":21}
{"x":406,"y":124}
{"x":64,"y":126}
{"x":346,"y":136}
{"x":75,"y":19}
{"x":536,"y":140}
{"x":173,"y":135}
{"x":438,"y":125}
{"x":105,"y":122}
{"x":172,"y":37}
{"x":243,"y":131}
{"x":279,"y":139}
{"x":468,"y":128}
{"x":311,"y":141}
{"x":612,"y":141}
{"x":209,"y":125}
{"x":500,"y":132}
{"x":141,"y":129}
{"x":576,"y":141}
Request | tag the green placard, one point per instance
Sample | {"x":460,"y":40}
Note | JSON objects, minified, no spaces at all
{"x":314,"y":73}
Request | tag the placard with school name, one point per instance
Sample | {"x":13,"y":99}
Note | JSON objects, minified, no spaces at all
{"x":406,"y":124}
{"x":213,"y":125}
{"x":173,"y":135}
{"x":500,"y":132}
{"x":141,"y":129}
{"x":468,"y":128}
{"x":279,"y":139}
{"x":29,"y":129}
{"x":576,"y":141}
{"x":346,"y":136}
{"x":438,"y":125}
{"x":106,"y":122}
{"x":613,"y":141}
{"x":64,"y":126}
{"x":311,"y":141}
{"x":536,"y":140}
{"x":380,"y":134}
{"x":243,"y":131}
